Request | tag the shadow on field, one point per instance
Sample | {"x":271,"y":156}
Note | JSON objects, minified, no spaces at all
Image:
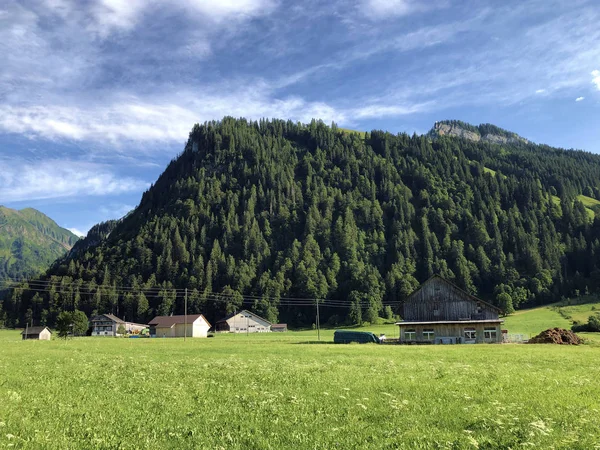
{"x":314,"y":342}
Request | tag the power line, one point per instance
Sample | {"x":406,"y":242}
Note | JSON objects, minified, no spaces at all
{"x":154,"y":292}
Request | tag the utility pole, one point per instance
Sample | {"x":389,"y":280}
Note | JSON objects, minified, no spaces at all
{"x":185,"y":317}
{"x":318,"y":322}
{"x":26,"y":329}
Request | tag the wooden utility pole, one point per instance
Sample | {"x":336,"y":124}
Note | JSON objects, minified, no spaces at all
{"x":185,"y":317}
{"x":318,"y":322}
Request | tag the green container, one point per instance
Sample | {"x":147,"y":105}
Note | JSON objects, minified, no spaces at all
{"x":361,"y":337}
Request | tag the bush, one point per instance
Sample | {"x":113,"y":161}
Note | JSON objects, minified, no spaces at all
{"x":592,"y":325}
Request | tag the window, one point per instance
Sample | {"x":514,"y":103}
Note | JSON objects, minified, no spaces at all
{"x":490,"y":334}
{"x":428,"y":334}
{"x":470,"y":334}
{"x":410,"y":335}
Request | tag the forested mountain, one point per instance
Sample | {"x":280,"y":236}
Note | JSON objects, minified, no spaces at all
{"x":29,"y":242}
{"x":262,"y":214}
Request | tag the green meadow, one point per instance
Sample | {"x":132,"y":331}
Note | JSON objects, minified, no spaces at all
{"x":290,"y":391}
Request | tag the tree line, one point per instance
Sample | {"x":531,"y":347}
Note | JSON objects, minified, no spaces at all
{"x":260,"y":211}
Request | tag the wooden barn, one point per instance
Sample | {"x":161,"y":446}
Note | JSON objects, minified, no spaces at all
{"x":439,"y":312}
{"x":38,"y":333}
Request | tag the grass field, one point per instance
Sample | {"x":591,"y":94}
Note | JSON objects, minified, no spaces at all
{"x":284,"y":391}
{"x":531,"y":322}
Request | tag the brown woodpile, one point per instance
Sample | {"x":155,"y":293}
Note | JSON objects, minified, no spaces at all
{"x":556,"y":336}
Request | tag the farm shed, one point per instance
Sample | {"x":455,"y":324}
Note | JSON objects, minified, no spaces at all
{"x":243,"y":322}
{"x":39,"y":333}
{"x":279,"y":327}
{"x":108,"y":325}
{"x":175,"y":326}
{"x":439,"y":312}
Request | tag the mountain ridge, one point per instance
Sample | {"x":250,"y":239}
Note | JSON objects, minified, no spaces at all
{"x":30,"y":241}
{"x":258,"y":211}
{"x":484,"y":132}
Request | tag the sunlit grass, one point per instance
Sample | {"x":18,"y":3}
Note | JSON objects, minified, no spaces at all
{"x":530,"y":322}
{"x":267,"y":391}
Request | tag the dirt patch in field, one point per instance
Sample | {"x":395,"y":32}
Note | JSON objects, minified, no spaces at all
{"x":556,"y":336}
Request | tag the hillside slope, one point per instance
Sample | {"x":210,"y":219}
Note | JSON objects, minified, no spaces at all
{"x":260,"y":214}
{"x":29,"y":242}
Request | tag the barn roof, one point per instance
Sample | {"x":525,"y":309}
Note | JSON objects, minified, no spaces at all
{"x":243,"y":311}
{"x":34,"y":330}
{"x":170,"y":321}
{"x":438,"y":322}
{"x":472,"y":297}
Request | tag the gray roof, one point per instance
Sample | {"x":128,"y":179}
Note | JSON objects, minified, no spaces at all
{"x":438,"y":322}
{"x":169,"y":321}
{"x":108,"y":316}
{"x":35,"y":330}
{"x":225,"y":319}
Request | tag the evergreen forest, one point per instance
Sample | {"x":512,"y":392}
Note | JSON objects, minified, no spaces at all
{"x":277,"y":216}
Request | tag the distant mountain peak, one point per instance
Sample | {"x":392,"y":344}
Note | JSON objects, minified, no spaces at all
{"x":29,"y":242}
{"x":484,"y":132}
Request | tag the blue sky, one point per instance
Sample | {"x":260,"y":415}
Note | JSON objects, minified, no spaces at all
{"x":97,"y":96}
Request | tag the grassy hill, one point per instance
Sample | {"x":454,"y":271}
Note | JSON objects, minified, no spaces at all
{"x":29,"y":242}
{"x":530,"y":322}
{"x":592,"y":205}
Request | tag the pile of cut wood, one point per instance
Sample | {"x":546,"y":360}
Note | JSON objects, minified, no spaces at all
{"x":556,"y":336}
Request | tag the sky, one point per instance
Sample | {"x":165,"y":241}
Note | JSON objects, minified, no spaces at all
{"x":97,"y":96}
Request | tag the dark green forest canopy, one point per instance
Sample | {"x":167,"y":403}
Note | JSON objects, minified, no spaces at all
{"x":264,"y":211}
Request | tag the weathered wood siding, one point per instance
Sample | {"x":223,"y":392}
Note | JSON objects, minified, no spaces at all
{"x":440,"y":300}
{"x":451,"y":330}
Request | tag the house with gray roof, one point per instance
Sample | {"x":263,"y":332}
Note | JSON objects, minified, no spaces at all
{"x":243,"y":322}
{"x":108,"y":325}
{"x":38,"y":333}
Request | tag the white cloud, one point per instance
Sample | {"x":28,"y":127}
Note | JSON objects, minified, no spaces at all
{"x":578,"y":99}
{"x":596,"y":79}
{"x":171,"y":116}
{"x":386,"y":9}
{"x":124,"y":15}
{"x":77,"y":232}
{"x":52,"y":179}
{"x":540,"y":91}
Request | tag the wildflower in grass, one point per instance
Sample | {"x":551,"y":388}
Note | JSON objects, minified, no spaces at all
{"x":472,"y":441}
{"x":341,"y":396}
{"x":361,"y":405}
{"x":10,"y":436}
{"x":387,"y":393}
{"x":325,"y":393}
{"x":540,"y":425}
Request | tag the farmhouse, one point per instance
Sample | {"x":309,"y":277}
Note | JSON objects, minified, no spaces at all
{"x":108,"y":325}
{"x":243,"y":322}
{"x":175,"y":326}
{"x":442,"y":313}
{"x":39,"y":333}
{"x":279,"y":327}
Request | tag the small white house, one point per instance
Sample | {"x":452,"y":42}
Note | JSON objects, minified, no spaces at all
{"x":38,"y":333}
{"x":175,"y":326}
{"x":108,"y":325}
{"x":243,"y":322}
